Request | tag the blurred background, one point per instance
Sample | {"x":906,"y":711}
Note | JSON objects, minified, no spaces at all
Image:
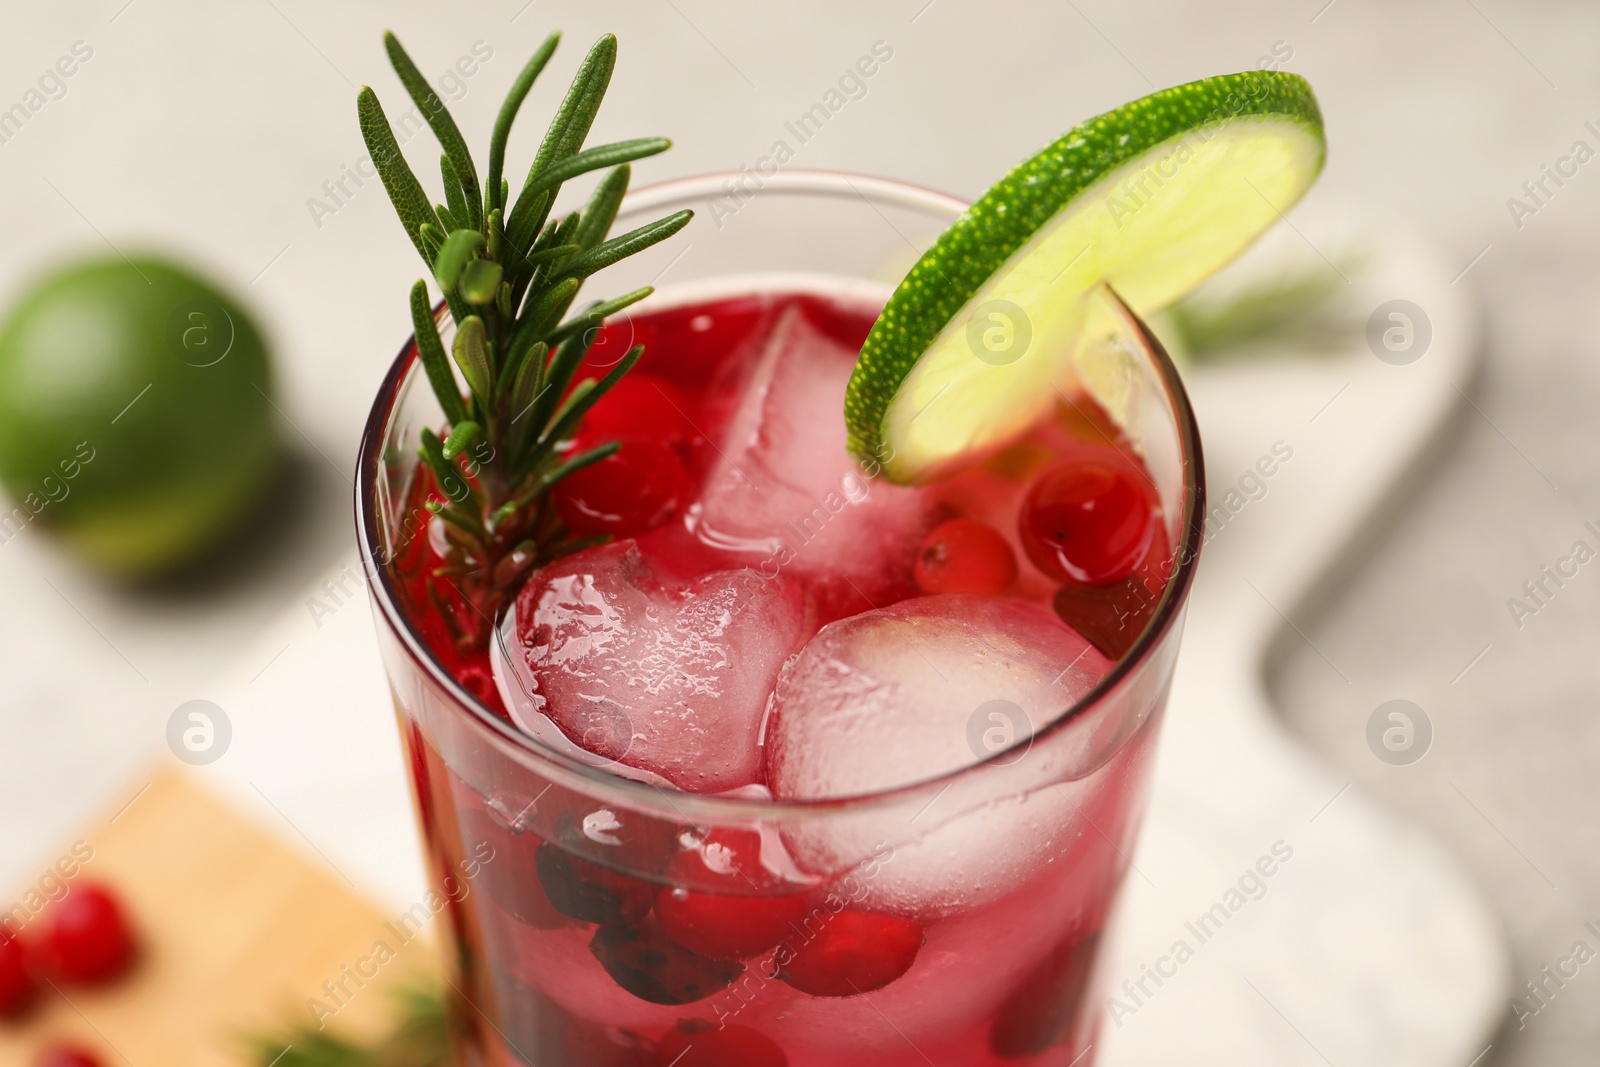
{"x":222,"y":133}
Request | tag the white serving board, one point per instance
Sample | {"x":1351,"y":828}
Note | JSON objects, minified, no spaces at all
{"x":1368,"y":946}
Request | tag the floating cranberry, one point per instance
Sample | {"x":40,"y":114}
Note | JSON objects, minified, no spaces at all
{"x":1111,"y":617}
{"x":1088,"y":520}
{"x":965,"y":556}
{"x":853,"y":952}
{"x":641,"y":406}
{"x":67,"y":1056}
{"x":642,"y":959}
{"x":621,"y":839}
{"x":697,"y":1043}
{"x":1044,"y":1007}
{"x":635,"y":490}
{"x":581,"y":866}
{"x":747,"y":914}
{"x":589,"y":892}
{"x":86,"y":938}
{"x":17,"y":987}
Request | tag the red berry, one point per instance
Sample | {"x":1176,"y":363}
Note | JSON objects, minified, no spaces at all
{"x":745,"y":916}
{"x":853,"y":952}
{"x":1088,"y":520}
{"x":700,"y":1044}
{"x":1111,"y":617}
{"x":965,"y":556}
{"x":86,"y":938}
{"x":644,"y":961}
{"x":1044,"y":1008}
{"x":16,"y":982}
{"x":67,"y":1056}
{"x":628,"y":493}
{"x":588,"y":892}
{"x":644,"y":407}
{"x":601,"y":865}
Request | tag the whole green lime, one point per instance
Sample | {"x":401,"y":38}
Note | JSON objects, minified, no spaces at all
{"x":135,"y":413}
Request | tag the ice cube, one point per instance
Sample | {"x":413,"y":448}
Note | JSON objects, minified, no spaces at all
{"x":909,"y":680}
{"x":916,"y":690}
{"x":784,"y":491}
{"x":670,"y":679}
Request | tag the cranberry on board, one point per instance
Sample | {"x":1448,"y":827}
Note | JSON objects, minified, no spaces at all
{"x":636,"y":489}
{"x":745,"y":912}
{"x":86,"y":937}
{"x":67,"y":1056}
{"x":965,"y":556}
{"x":1087,"y":520}
{"x":642,"y":959}
{"x":853,"y":952}
{"x":17,"y":987}
{"x":697,"y":1043}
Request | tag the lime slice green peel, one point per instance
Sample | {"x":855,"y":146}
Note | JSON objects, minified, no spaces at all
{"x":1150,"y":199}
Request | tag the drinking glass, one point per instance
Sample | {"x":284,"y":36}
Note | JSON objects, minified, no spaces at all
{"x":1009,"y":866}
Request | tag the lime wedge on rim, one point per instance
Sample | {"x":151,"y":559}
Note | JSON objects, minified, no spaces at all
{"x":1149,"y":199}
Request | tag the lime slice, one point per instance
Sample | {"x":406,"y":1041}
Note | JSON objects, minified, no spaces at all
{"x":1149,"y":199}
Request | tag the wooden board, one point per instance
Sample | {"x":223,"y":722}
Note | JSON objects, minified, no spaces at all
{"x":237,"y":933}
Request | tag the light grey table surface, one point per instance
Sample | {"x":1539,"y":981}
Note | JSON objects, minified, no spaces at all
{"x":210,"y":127}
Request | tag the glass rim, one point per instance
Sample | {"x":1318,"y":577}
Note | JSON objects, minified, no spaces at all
{"x":644,"y":794}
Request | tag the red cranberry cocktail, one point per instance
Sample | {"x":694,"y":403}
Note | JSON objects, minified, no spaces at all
{"x":784,"y":763}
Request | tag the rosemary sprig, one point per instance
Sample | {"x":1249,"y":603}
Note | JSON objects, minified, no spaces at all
{"x":1300,"y":307}
{"x":420,"y":1038}
{"x":509,"y":274}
